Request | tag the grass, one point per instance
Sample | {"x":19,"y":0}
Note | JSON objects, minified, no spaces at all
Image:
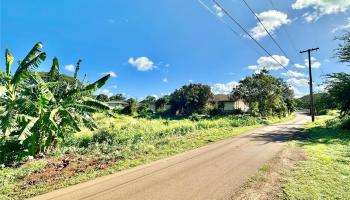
{"x":120,"y":143}
{"x":325,"y":174}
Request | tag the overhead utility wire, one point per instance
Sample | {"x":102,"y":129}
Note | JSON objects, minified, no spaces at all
{"x":225,"y":23}
{"x":238,"y":24}
{"x":267,"y":31}
{"x":288,"y":36}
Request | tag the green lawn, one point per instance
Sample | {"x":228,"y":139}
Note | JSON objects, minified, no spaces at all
{"x":120,"y":143}
{"x":325,"y":174}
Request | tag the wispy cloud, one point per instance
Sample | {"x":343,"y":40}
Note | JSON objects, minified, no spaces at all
{"x":320,"y":8}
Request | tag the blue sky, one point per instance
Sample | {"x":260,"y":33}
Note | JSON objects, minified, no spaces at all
{"x":156,"y":46}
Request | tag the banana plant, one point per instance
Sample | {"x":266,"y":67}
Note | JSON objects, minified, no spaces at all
{"x":40,"y":108}
{"x":11,"y":101}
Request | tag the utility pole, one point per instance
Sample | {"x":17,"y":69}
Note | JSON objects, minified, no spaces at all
{"x":312,"y":105}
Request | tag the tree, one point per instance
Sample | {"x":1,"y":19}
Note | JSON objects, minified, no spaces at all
{"x":162,"y":102}
{"x":190,"y":99}
{"x":323,"y":101}
{"x":338,"y":86}
{"x":131,"y":108}
{"x":117,"y":97}
{"x":38,"y":112}
{"x":102,"y":97}
{"x":265,"y":94}
{"x":343,"y":50}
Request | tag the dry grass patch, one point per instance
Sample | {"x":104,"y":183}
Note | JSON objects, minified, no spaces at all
{"x":267,"y":183}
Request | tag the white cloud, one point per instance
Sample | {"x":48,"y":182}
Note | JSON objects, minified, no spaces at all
{"x":165,"y":80}
{"x":314,"y":63}
{"x":190,"y":81}
{"x":105,"y":91}
{"x":342,"y":27}
{"x":142,"y":63}
{"x":297,"y":92}
{"x":218,"y":10}
{"x":113,"y":74}
{"x":299,"y":66}
{"x":272,"y":20}
{"x":321,"y":8}
{"x":269,"y":63}
{"x":222,"y":88}
{"x":291,"y":73}
{"x":320,"y":88}
{"x":70,"y":68}
{"x":298,"y":82}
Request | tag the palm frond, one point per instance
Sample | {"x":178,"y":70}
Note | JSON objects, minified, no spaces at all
{"x":89,"y":123}
{"x":77,"y":68}
{"x":9,"y":61}
{"x":68,"y":119}
{"x":95,"y":103}
{"x":33,"y":53}
{"x":24,"y":68}
{"x":54,"y":71}
{"x":98,"y":84}
{"x":43,"y":89}
{"x":26,"y":130}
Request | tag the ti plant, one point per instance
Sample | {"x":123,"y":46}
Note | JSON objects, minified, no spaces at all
{"x":37,"y":108}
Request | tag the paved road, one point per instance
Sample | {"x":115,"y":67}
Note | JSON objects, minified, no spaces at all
{"x":211,"y":172}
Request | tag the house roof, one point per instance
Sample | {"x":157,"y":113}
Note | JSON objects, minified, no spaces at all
{"x":117,"y":102}
{"x":221,"y":97}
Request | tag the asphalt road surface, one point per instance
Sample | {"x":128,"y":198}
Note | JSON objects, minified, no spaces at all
{"x":211,"y":172}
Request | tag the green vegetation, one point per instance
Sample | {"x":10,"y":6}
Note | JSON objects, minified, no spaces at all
{"x":36,"y":113}
{"x":120,"y":143}
{"x":265,"y":94}
{"x":190,"y":99}
{"x":323,"y":102}
{"x":326,"y":172}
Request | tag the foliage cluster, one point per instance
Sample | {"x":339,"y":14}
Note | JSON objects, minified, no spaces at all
{"x":265,"y":95}
{"x":39,"y":109}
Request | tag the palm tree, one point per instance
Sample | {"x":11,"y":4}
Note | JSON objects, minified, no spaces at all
{"x":39,"y":108}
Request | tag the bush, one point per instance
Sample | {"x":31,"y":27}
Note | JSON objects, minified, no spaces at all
{"x":10,"y":151}
{"x":345,"y":123}
{"x":104,"y":136}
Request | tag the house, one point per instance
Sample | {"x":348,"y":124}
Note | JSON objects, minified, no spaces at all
{"x":117,"y":104}
{"x":225,"y":102}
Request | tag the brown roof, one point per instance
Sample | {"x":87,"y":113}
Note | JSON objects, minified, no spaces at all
{"x":221,"y":97}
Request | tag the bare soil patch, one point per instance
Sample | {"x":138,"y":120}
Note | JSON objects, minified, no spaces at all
{"x":64,"y":167}
{"x":267,"y":183}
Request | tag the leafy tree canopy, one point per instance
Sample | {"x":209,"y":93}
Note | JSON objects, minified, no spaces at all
{"x":190,"y":99}
{"x":265,"y":94}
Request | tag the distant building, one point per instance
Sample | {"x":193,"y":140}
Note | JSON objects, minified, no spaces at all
{"x":117,"y":104}
{"x":225,"y":102}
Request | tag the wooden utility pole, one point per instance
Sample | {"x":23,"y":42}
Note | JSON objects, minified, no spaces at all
{"x":312,"y":105}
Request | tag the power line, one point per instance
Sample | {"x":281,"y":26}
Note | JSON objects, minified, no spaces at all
{"x":238,"y":24}
{"x":226,"y":24}
{"x":220,"y":19}
{"x":267,"y":31}
{"x":289,"y":38}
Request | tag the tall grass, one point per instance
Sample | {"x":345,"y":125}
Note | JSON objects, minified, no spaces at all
{"x":125,"y":142}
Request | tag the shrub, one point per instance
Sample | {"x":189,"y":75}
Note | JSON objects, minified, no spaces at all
{"x":104,"y":136}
